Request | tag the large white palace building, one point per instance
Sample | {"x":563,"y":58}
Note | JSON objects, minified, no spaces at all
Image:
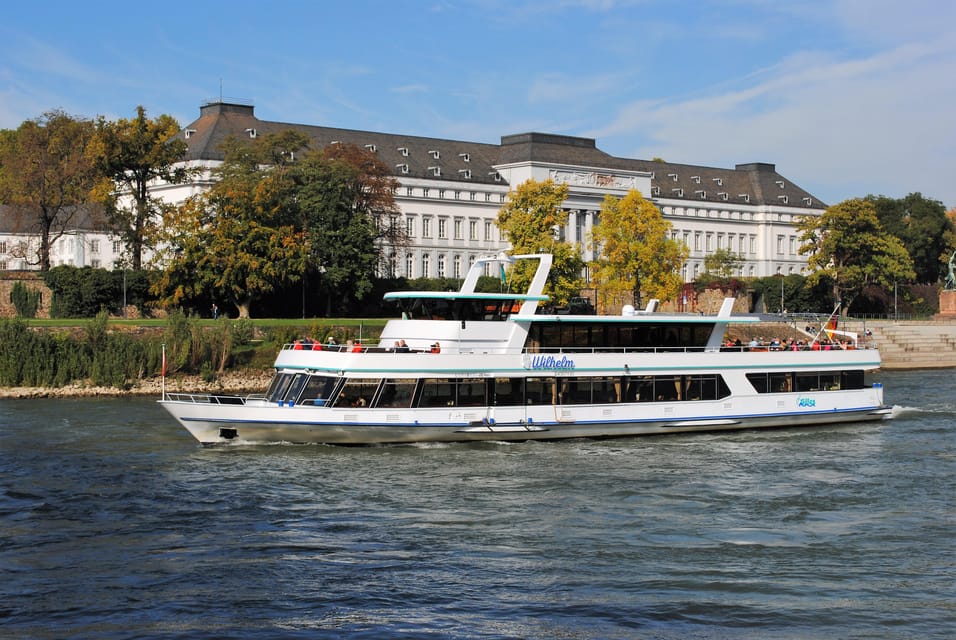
{"x":451,"y":192}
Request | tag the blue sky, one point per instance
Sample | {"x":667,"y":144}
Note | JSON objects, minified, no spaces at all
{"x":846,"y":97}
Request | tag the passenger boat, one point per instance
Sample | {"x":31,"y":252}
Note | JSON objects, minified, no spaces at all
{"x":470,"y":366}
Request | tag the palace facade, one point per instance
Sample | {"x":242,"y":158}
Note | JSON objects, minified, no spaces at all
{"x":451,"y":191}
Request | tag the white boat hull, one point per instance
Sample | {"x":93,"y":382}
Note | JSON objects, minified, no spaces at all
{"x":256,"y":421}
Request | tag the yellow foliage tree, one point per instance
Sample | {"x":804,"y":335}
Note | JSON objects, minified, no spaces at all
{"x":531,"y":220}
{"x":636,"y":256}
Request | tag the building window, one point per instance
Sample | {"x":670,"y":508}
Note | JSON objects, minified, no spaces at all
{"x":95,"y":263}
{"x":94,"y":246}
{"x":442,"y":228}
{"x":426,"y":266}
{"x":779,"y":245}
{"x":3,"y":246}
{"x":117,"y":246}
{"x":488,"y":231}
{"x":409,"y":266}
{"x":457,"y":267}
{"x":697,"y":241}
{"x":720,"y":241}
{"x":410,"y":227}
{"x":441,"y":266}
{"x":753,"y":244}
{"x":458,"y":229}
{"x":426,"y":227}
{"x":793,"y":245}
{"x":3,"y":265}
{"x":710,"y":242}
{"x":409,"y":191}
{"x":472,"y":229}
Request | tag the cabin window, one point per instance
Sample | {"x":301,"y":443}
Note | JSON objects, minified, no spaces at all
{"x":279,"y":386}
{"x":298,"y":382}
{"x":806,"y":381}
{"x":397,"y":393}
{"x":437,"y":392}
{"x":318,"y":391}
{"x":357,"y":392}
{"x":540,"y":391}
{"x":509,"y":391}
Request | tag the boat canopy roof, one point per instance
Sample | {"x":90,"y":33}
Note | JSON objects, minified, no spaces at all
{"x":650,"y":318}
{"x":458,"y":295}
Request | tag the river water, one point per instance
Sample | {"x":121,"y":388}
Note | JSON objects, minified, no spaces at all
{"x":115,"y":524}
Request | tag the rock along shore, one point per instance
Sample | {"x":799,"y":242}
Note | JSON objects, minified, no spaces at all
{"x":238,"y":382}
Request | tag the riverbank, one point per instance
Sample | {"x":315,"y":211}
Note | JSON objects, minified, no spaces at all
{"x":239,"y":382}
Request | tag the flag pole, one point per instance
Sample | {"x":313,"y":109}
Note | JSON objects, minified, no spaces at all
{"x":164,"y":372}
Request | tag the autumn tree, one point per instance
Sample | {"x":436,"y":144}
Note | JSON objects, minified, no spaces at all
{"x":636,"y":255}
{"x":132,"y":155}
{"x":847,"y":244}
{"x":346,"y":198}
{"x":532,"y":220}
{"x":238,"y":241}
{"x":924,"y":229}
{"x":46,"y":179}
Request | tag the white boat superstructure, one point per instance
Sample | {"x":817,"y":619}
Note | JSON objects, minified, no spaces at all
{"x":463,"y":365}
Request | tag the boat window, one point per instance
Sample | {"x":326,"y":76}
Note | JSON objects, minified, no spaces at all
{"x":509,"y":391}
{"x":279,"y":386}
{"x":318,"y":391}
{"x":437,"y":392}
{"x":851,"y":379}
{"x":357,"y":392}
{"x":705,"y":387}
{"x":397,"y":393}
{"x":598,"y":336}
{"x":806,"y":381}
{"x":471,"y":392}
{"x":298,"y":382}
{"x":540,"y":391}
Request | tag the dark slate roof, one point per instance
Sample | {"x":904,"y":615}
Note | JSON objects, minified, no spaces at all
{"x":13,"y":219}
{"x":441,"y":159}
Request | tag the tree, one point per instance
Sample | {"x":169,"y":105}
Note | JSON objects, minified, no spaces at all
{"x":346,"y":198}
{"x":46,"y":179}
{"x":636,"y":255}
{"x":847,"y":244}
{"x":923,"y":227}
{"x":723,"y":263}
{"x":532,"y":220}
{"x":132,"y":155}
{"x":238,"y":241}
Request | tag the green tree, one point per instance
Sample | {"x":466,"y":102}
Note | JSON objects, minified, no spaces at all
{"x":637,"y":255}
{"x":132,"y":155}
{"x":238,"y":241}
{"x":532,"y":220}
{"x":923,"y":227}
{"x":46,"y":179}
{"x":847,"y":244}
{"x":345,"y":196}
{"x":723,"y":263}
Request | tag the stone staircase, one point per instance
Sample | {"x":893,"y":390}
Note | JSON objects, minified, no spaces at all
{"x":913,"y":344}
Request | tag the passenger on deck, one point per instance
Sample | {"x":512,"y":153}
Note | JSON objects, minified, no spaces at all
{"x":403,"y":347}
{"x":436,"y":348}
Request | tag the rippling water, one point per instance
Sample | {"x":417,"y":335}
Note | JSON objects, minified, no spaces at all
{"x":115,"y":524}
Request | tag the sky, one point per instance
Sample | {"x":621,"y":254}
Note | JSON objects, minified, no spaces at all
{"x":846,"y":97}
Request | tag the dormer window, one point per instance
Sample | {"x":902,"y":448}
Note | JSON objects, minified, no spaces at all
{"x":403,"y":151}
{"x":187,"y":133}
{"x":403,"y":168}
{"x":435,"y":153}
{"x":252,"y":133}
{"x":465,"y":157}
{"x":465,"y":173}
{"x":371,"y":147}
